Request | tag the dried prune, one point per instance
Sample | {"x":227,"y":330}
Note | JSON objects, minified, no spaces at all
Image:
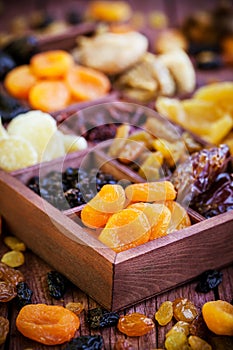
{"x":198,"y":173}
{"x":6,"y":64}
{"x":4,"y":329}
{"x":86,"y":342}
{"x":24,"y":294}
{"x":10,"y":108}
{"x":209,"y":280}
{"x":57,"y":284}
{"x":22,"y":49}
{"x":101,"y":318}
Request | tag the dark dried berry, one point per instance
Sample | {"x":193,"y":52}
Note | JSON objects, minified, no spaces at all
{"x":86,"y":342}
{"x":22,"y":49}
{"x":57,"y":284}
{"x":101,"y":318}
{"x":6,"y":64}
{"x":24,"y":294}
{"x":10,"y":108}
{"x":209,"y":280}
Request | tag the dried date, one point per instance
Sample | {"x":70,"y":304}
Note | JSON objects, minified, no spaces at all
{"x":86,"y":342}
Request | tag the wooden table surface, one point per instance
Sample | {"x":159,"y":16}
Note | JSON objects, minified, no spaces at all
{"x":35,"y":270}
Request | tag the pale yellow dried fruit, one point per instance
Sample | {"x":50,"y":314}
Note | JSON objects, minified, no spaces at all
{"x":55,"y":147}
{"x":73,"y":143}
{"x":16,"y":153}
{"x":14,"y":243}
{"x":13,"y":258}
{"x":34,"y":126}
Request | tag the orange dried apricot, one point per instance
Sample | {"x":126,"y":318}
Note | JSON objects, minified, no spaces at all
{"x":86,"y":83}
{"x":179,"y":217}
{"x":218,"y":316}
{"x":110,"y":199}
{"x":126,"y":229}
{"x":93,"y":218}
{"x":47,"y":324}
{"x":151,"y":191}
{"x":110,"y":11}
{"x":19,"y":81}
{"x":51,"y":64}
{"x":158,"y":216}
{"x":49,"y":96}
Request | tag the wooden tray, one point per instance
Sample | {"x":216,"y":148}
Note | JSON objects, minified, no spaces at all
{"x":113,"y":280}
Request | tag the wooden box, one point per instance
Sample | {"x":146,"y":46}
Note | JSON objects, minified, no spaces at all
{"x":115,"y":280}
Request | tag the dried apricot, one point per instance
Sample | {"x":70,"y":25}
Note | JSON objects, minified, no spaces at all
{"x":113,"y":11}
{"x":93,"y":218}
{"x":135,"y":324}
{"x":47,"y":324}
{"x":179,"y":217}
{"x":218,"y":316}
{"x":51,"y":64}
{"x":110,"y":199}
{"x":158,"y":216}
{"x":165,"y":313}
{"x":151,"y":191}
{"x":86,"y":83}
{"x":126,"y":229}
{"x":19,"y":81}
{"x":49,"y":96}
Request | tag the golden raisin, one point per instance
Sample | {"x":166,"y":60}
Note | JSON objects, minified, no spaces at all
{"x":165,"y":313}
{"x":135,"y":324}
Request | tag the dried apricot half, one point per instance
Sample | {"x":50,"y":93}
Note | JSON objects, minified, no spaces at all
{"x":151,"y":191}
{"x":49,"y":95}
{"x":86,"y":83}
{"x":218,"y":316}
{"x":93,"y":218}
{"x":126,"y":229}
{"x":19,"y":81}
{"x":110,"y":199}
{"x":47,"y":324}
{"x":179,"y":217}
{"x":51,"y":64}
{"x":158,"y":216}
{"x":110,"y":11}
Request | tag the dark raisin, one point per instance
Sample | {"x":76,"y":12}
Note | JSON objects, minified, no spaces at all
{"x":86,"y":342}
{"x":24,"y":294}
{"x":209,"y":280}
{"x":101,"y":318}
{"x":22,"y":49}
{"x":73,"y":17}
{"x":57,"y":284}
{"x":10,"y":108}
{"x":6,"y":64}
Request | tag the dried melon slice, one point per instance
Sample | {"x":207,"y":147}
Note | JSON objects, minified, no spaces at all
{"x":55,"y":147}
{"x":36,"y":127}
{"x":73,"y":143}
{"x":16,"y":153}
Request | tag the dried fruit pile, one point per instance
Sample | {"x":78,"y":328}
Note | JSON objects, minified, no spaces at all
{"x":52,"y":81}
{"x":72,"y":188}
{"x":209,"y":113}
{"x":133,"y":216}
{"x":154,"y":149}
